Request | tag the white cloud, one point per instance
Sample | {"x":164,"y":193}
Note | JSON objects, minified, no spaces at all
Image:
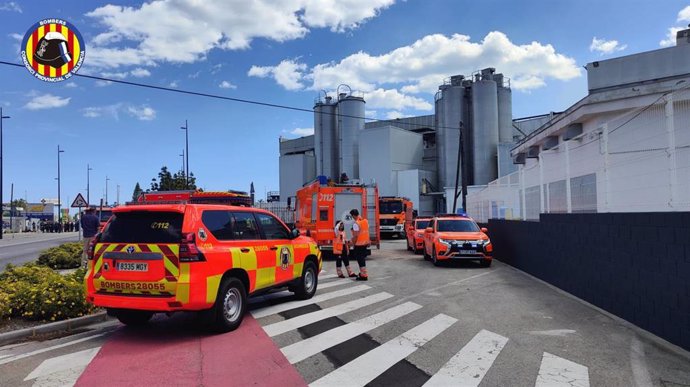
{"x":11,"y":6}
{"x":302,"y":132}
{"x":287,"y":73}
{"x":120,"y":75}
{"x":100,"y":83}
{"x":684,"y":15}
{"x":604,"y":46}
{"x":131,"y":39}
{"x":140,"y":73}
{"x":391,"y":115}
{"x":71,"y":85}
{"x":16,"y":36}
{"x":227,"y":85}
{"x":216,"y":68}
{"x":112,"y":111}
{"x":46,"y":101}
{"x":389,"y":79}
{"x":174,"y":84}
{"x":370,"y":114}
{"x":143,"y":113}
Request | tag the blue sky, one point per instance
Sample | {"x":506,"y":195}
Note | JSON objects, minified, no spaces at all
{"x":282,"y":52}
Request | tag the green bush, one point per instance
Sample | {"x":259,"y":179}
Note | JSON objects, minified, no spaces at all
{"x":65,"y":256}
{"x":5,"y":309}
{"x":39,"y":293}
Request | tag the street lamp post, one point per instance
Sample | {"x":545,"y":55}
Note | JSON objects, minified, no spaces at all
{"x":58,"y":180}
{"x":186,"y":145}
{"x":2,"y":117}
{"x":88,"y":197}
{"x":106,"y":189}
{"x":183,"y":169}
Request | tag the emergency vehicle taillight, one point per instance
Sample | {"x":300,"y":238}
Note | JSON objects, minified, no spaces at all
{"x":188,"y":249}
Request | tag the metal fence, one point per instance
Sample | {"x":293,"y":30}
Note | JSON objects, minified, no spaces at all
{"x":637,"y":161}
{"x":287,"y":214}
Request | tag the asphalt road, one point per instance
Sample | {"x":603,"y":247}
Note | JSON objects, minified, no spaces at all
{"x":411,"y":324}
{"x":27,"y":249}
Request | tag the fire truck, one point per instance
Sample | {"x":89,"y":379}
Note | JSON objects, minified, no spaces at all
{"x":234,"y":198}
{"x":319,"y":206}
{"x":395,"y":213}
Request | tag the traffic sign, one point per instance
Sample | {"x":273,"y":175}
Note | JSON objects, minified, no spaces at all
{"x":79,"y":201}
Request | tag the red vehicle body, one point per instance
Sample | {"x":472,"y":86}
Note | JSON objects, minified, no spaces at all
{"x":318,"y":207}
{"x":415,"y":234}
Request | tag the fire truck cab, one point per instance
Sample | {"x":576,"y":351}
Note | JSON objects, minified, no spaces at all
{"x":319,"y":206}
{"x":395,"y":214}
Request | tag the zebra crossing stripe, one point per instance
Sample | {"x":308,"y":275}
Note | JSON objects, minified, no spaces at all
{"x":556,"y":372}
{"x":303,"y":349}
{"x":326,"y":276}
{"x":333,"y":283}
{"x":314,"y":300}
{"x":305,"y":319}
{"x":42,"y":350}
{"x":367,"y":367}
{"x":468,"y":367}
{"x":63,"y":370}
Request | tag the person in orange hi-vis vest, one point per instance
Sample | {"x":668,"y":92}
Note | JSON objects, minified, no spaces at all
{"x":341,"y":251}
{"x":360,"y":241}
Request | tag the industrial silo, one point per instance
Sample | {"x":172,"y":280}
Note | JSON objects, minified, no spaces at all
{"x":325,"y":138}
{"x":440,"y":136}
{"x":505,"y":109}
{"x":448,"y":131}
{"x":350,"y":123}
{"x":484,"y":128}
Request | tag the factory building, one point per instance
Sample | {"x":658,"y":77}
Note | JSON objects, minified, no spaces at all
{"x":416,"y":157}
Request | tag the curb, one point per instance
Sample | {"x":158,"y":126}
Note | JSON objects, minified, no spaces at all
{"x":65,"y":325}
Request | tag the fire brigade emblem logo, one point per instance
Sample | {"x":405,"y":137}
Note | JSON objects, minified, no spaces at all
{"x":202,"y":234}
{"x":53,"y":50}
{"x":284,"y":258}
{"x":130,"y":250}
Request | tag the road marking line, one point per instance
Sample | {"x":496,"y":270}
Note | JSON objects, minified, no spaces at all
{"x":332,"y":284}
{"x":556,"y":372}
{"x":327,"y":276}
{"x":367,"y":367}
{"x":468,"y":367}
{"x":314,"y":300}
{"x":42,"y":350}
{"x":305,"y":319}
{"x":303,"y":349}
{"x":77,"y":361}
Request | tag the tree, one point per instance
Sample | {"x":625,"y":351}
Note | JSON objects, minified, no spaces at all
{"x":170,"y":182}
{"x":137,"y":191}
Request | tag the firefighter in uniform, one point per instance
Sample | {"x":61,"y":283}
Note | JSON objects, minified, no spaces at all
{"x":360,"y":241}
{"x":340,"y":250}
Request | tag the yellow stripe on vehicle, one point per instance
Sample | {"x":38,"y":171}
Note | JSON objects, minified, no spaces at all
{"x":242,"y":260}
{"x":265,"y":277}
{"x":171,"y":267}
{"x":212,"y":284}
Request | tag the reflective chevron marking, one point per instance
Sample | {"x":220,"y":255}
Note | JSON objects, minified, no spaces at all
{"x":367,"y":367}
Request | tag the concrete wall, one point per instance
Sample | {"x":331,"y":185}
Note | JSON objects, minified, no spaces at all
{"x":295,"y":170}
{"x":634,"y":265}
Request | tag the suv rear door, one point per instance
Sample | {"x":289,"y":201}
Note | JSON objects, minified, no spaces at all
{"x":138,"y":253}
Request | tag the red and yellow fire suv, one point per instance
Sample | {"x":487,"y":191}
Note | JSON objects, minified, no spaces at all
{"x":415,"y":234}
{"x":456,"y":237}
{"x":187,"y":256}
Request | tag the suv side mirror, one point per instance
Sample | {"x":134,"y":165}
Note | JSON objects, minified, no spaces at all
{"x":485,"y":230}
{"x":294,"y":233}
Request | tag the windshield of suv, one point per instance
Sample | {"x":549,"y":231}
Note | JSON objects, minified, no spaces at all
{"x":390,"y":207}
{"x":144,"y":227}
{"x":105,"y":215}
{"x":421,"y":224}
{"x":457,"y":226}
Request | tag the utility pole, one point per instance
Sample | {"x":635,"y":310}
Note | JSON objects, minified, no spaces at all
{"x":58,"y":180}
{"x":11,"y":207}
{"x":2,"y":117}
{"x":186,"y":145}
{"x":118,"y":195}
{"x":106,"y":189}
{"x":88,"y":197}
{"x":461,"y":159}
{"x":183,"y":169}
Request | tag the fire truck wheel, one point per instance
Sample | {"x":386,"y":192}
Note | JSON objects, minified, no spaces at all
{"x":230,"y":306}
{"x":133,"y":317}
{"x":306,"y":287}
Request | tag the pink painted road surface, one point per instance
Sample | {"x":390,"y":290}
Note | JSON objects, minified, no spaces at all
{"x":156,"y":356}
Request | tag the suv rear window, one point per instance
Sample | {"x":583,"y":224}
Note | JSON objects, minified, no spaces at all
{"x":144,"y":227}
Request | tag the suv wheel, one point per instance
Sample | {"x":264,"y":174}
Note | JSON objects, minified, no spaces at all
{"x":434,"y":257}
{"x":306,"y":287}
{"x":230,"y":306}
{"x":485,"y":262}
{"x":409,"y":248}
{"x":426,"y":256}
{"x":133,"y":317}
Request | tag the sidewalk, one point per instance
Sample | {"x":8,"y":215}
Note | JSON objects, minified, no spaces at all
{"x":31,"y":237}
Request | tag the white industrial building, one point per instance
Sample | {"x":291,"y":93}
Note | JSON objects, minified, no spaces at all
{"x":625,"y":147}
{"x":416,"y":157}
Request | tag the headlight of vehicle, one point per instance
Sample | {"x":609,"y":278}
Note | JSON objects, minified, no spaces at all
{"x":419,"y":235}
{"x":445,"y":242}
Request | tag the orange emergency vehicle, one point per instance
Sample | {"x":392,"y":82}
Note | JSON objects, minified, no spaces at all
{"x":395,"y":214}
{"x":456,"y":237}
{"x":319,"y":206}
{"x":185,"y":256}
{"x":415,"y":234}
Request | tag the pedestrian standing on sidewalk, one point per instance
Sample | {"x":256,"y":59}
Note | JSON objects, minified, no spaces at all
{"x":341,"y":251}
{"x":89,"y":225}
{"x":360,"y":241}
